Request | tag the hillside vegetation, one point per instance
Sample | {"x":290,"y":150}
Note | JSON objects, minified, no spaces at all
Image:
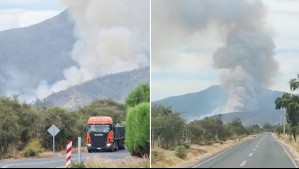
{"x":23,"y":128}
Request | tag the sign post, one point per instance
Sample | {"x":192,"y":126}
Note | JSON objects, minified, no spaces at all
{"x":79,"y":150}
{"x":53,"y":130}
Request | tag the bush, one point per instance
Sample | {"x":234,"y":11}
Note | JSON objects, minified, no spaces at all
{"x":77,"y":165}
{"x":181,"y":152}
{"x":28,"y":152}
{"x":138,"y":130}
{"x":279,"y":130}
{"x":33,"y":148}
{"x":155,"y":156}
{"x":186,"y":145}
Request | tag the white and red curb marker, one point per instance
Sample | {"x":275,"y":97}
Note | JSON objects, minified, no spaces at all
{"x":68,"y":153}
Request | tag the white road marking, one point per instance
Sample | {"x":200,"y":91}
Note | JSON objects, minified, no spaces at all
{"x":231,"y":148}
{"x":250,"y":154}
{"x":6,"y":166}
{"x":257,"y":146}
{"x":243,"y":163}
{"x":217,"y":155}
{"x":288,"y":155}
{"x":32,"y":163}
{"x":254,"y":149}
{"x":260,"y":141}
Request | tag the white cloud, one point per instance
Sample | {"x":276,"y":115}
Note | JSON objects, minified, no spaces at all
{"x":288,"y":62}
{"x":283,"y":16}
{"x":15,"y":18}
{"x":282,"y":6}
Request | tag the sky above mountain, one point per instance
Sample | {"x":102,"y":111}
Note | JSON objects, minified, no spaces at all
{"x":187,"y":66}
{"x":83,"y":41}
{"x":23,"y":13}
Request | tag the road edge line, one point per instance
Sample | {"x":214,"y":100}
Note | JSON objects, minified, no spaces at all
{"x":6,"y":166}
{"x":295,"y":164}
{"x":227,"y":150}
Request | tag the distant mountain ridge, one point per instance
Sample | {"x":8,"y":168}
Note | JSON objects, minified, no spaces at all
{"x":199,"y":104}
{"x":39,"y":52}
{"x":116,"y":86}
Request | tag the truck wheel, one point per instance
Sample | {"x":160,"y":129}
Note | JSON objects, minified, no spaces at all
{"x":89,"y":151}
{"x":122,"y":145}
{"x":115,"y":146}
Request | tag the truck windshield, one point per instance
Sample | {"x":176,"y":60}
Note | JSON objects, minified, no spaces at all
{"x":99,"y":128}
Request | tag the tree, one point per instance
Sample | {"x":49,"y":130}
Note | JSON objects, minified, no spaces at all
{"x":294,"y":83}
{"x":237,"y":127}
{"x":138,"y":121}
{"x":138,"y":130}
{"x":291,"y":103}
{"x":167,"y":125}
{"x":138,"y":95}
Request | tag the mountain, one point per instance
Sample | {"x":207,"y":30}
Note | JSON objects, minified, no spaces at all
{"x":116,"y":86}
{"x":39,"y":52}
{"x":205,"y":103}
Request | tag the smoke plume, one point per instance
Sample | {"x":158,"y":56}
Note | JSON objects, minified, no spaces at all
{"x":245,"y":58}
{"x":113,"y":36}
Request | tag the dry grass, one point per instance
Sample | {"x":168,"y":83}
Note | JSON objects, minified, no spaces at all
{"x":167,"y":158}
{"x":129,"y":162}
{"x":291,"y":145}
{"x":46,"y":155}
{"x":74,"y":151}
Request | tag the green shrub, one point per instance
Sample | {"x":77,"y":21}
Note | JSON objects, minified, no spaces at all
{"x":186,"y":145}
{"x":28,"y":152}
{"x":33,"y":148}
{"x":77,"y":165}
{"x":181,"y":152}
{"x":155,"y":156}
{"x":138,"y":130}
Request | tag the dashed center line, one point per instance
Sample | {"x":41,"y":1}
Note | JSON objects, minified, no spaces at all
{"x":254,"y":149}
{"x":250,"y":154}
{"x":243,"y":163}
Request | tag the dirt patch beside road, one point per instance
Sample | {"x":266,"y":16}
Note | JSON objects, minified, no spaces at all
{"x":167,"y":158}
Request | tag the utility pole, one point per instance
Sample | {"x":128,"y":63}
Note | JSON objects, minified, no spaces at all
{"x":284,"y":124}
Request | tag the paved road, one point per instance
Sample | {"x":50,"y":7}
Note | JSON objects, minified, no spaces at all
{"x":55,"y":162}
{"x":261,"y":152}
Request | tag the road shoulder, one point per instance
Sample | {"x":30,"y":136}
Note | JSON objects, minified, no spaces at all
{"x":290,"y":147}
{"x":197,"y":154}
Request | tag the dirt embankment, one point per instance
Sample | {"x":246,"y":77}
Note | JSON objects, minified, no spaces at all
{"x":167,"y":158}
{"x":289,"y":143}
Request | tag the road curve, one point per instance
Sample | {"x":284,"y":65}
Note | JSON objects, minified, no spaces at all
{"x":261,"y":152}
{"x":59,"y":162}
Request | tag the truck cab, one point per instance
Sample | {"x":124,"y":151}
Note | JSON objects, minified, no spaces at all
{"x":101,"y":134}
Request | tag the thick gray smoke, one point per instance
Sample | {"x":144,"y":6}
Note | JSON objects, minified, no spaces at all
{"x":245,"y":59}
{"x":113,"y":36}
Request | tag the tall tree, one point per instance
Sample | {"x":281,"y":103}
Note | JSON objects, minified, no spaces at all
{"x":291,"y":103}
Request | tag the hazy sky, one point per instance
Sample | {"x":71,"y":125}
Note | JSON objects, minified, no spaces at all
{"x":22,"y":13}
{"x":179,"y":68}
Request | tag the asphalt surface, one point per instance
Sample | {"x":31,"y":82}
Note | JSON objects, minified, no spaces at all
{"x":261,"y":152}
{"x":59,"y":162}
